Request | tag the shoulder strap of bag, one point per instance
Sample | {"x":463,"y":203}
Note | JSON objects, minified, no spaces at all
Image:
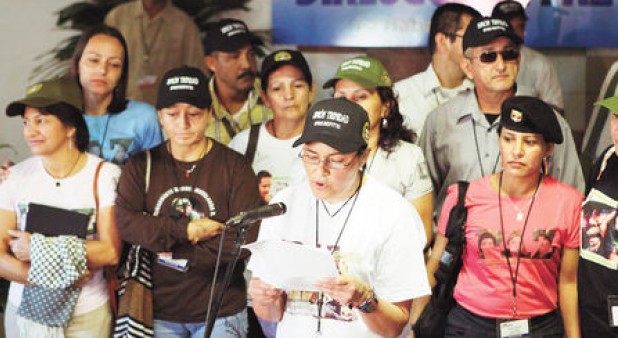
{"x":254,"y":132}
{"x":95,"y":186}
{"x":147,"y":174}
{"x":457,"y":217}
{"x":450,"y":262}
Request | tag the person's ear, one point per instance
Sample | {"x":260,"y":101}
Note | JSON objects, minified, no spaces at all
{"x":549,"y":150}
{"x":441,"y":41}
{"x":466,"y":67}
{"x":210,"y":63}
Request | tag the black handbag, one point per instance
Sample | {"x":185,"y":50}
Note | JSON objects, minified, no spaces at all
{"x":432,"y":321}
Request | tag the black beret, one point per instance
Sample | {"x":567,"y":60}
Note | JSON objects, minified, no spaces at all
{"x":528,"y":114}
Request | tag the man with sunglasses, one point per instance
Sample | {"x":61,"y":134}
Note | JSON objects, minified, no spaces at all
{"x":459,"y":138}
{"x":536,"y":72}
{"x":443,"y":79}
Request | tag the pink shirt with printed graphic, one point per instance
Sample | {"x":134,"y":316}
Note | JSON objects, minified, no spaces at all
{"x":485,"y":286}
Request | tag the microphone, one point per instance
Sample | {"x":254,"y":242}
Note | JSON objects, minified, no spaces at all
{"x":247,"y":217}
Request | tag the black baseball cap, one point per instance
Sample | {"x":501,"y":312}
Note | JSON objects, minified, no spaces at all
{"x":483,"y":31}
{"x":184,"y":84}
{"x":281,"y":58}
{"x":229,"y":35}
{"x":529,"y":114}
{"x":339,"y":123}
{"x":508,"y":9}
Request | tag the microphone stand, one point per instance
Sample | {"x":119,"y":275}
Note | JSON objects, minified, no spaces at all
{"x":241,"y":237}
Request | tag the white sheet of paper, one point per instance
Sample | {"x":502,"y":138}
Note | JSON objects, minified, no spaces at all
{"x":290,"y":266}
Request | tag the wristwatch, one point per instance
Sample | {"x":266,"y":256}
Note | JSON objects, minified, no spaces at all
{"x":370,"y":304}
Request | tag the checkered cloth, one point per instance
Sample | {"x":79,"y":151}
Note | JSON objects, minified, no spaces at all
{"x":56,"y":263}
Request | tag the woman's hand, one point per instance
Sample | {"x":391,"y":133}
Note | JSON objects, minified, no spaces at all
{"x":83,"y":279}
{"x":20,"y":244}
{"x":4,"y":170}
{"x":203,"y":229}
{"x":263,"y":293}
{"x":345,"y":289}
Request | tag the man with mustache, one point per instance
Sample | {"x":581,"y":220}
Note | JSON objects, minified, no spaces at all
{"x":230,"y":50}
{"x":459,"y":138}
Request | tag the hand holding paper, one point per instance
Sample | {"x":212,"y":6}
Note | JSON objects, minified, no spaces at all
{"x":290,"y":266}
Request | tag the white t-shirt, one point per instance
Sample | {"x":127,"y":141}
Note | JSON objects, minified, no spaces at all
{"x":276,"y":156}
{"x":379,"y":245}
{"x":29,"y":182}
{"x":404,"y":170}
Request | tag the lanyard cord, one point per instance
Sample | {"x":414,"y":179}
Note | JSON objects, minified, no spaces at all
{"x":320,"y":301}
{"x":478,"y":151}
{"x":507,"y":252}
{"x":104,"y":136}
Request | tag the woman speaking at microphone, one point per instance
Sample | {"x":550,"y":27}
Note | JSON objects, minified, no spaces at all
{"x":368,"y":228}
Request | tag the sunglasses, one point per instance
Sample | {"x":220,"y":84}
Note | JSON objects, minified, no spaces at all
{"x":507,"y":55}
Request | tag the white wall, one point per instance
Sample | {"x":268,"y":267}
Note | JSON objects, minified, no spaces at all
{"x":27,"y":31}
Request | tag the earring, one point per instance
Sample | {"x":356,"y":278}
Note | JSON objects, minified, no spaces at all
{"x":384,"y":123}
{"x":70,"y":145}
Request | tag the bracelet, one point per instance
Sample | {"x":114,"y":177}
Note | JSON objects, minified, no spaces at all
{"x":370,"y":304}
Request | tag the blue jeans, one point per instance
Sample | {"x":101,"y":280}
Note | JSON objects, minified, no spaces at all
{"x":235,"y":326}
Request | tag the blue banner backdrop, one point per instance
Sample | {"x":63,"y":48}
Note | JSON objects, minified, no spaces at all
{"x":405,"y":23}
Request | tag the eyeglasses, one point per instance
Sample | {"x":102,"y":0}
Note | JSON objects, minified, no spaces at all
{"x":490,"y":57}
{"x":314,"y":159}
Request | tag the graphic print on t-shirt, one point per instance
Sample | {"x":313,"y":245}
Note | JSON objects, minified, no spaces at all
{"x":302,"y":302}
{"x":117,"y":153}
{"x":537,"y":244}
{"x":598,"y":230}
{"x":184,"y":201}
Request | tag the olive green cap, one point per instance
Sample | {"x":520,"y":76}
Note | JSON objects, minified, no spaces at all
{"x":46,"y":93}
{"x":363,"y":70}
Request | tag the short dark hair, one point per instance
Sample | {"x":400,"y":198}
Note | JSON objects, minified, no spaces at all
{"x":119,"y":96}
{"x":395,"y":131}
{"x":263,"y":173}
{"x":71,"y":117}
{"x":447,"y":20}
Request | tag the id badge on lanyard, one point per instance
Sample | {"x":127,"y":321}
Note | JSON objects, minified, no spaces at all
{"x":612,"y":310}
{"x":518,"y":328}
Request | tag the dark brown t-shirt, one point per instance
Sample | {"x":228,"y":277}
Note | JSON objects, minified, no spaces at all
{"x":221,"y":186}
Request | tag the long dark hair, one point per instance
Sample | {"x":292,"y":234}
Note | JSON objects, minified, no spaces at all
{"x":70,"y":116}
{"x":395,"y":129}
{"x":119,"y":95}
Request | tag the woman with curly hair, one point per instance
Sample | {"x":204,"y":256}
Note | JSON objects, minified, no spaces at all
{"x":394,"y":160}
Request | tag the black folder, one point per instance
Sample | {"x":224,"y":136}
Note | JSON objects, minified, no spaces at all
{"x":52,"y":221}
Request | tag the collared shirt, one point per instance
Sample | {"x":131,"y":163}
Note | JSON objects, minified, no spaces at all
{"x":460,"y":144}
{"x":422,"y":93}
{"x":170,"y":39}
{"x":539,"y":77}
{"x":222,"y":122}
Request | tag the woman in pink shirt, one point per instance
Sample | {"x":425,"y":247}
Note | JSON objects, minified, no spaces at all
{"x":503,"y":290}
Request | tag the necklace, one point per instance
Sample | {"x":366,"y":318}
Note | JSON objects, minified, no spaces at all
{"x":189,"y":171}
{"x":340,"y":208}
{"x":79,"y":155}
{"x":520,"y":213}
